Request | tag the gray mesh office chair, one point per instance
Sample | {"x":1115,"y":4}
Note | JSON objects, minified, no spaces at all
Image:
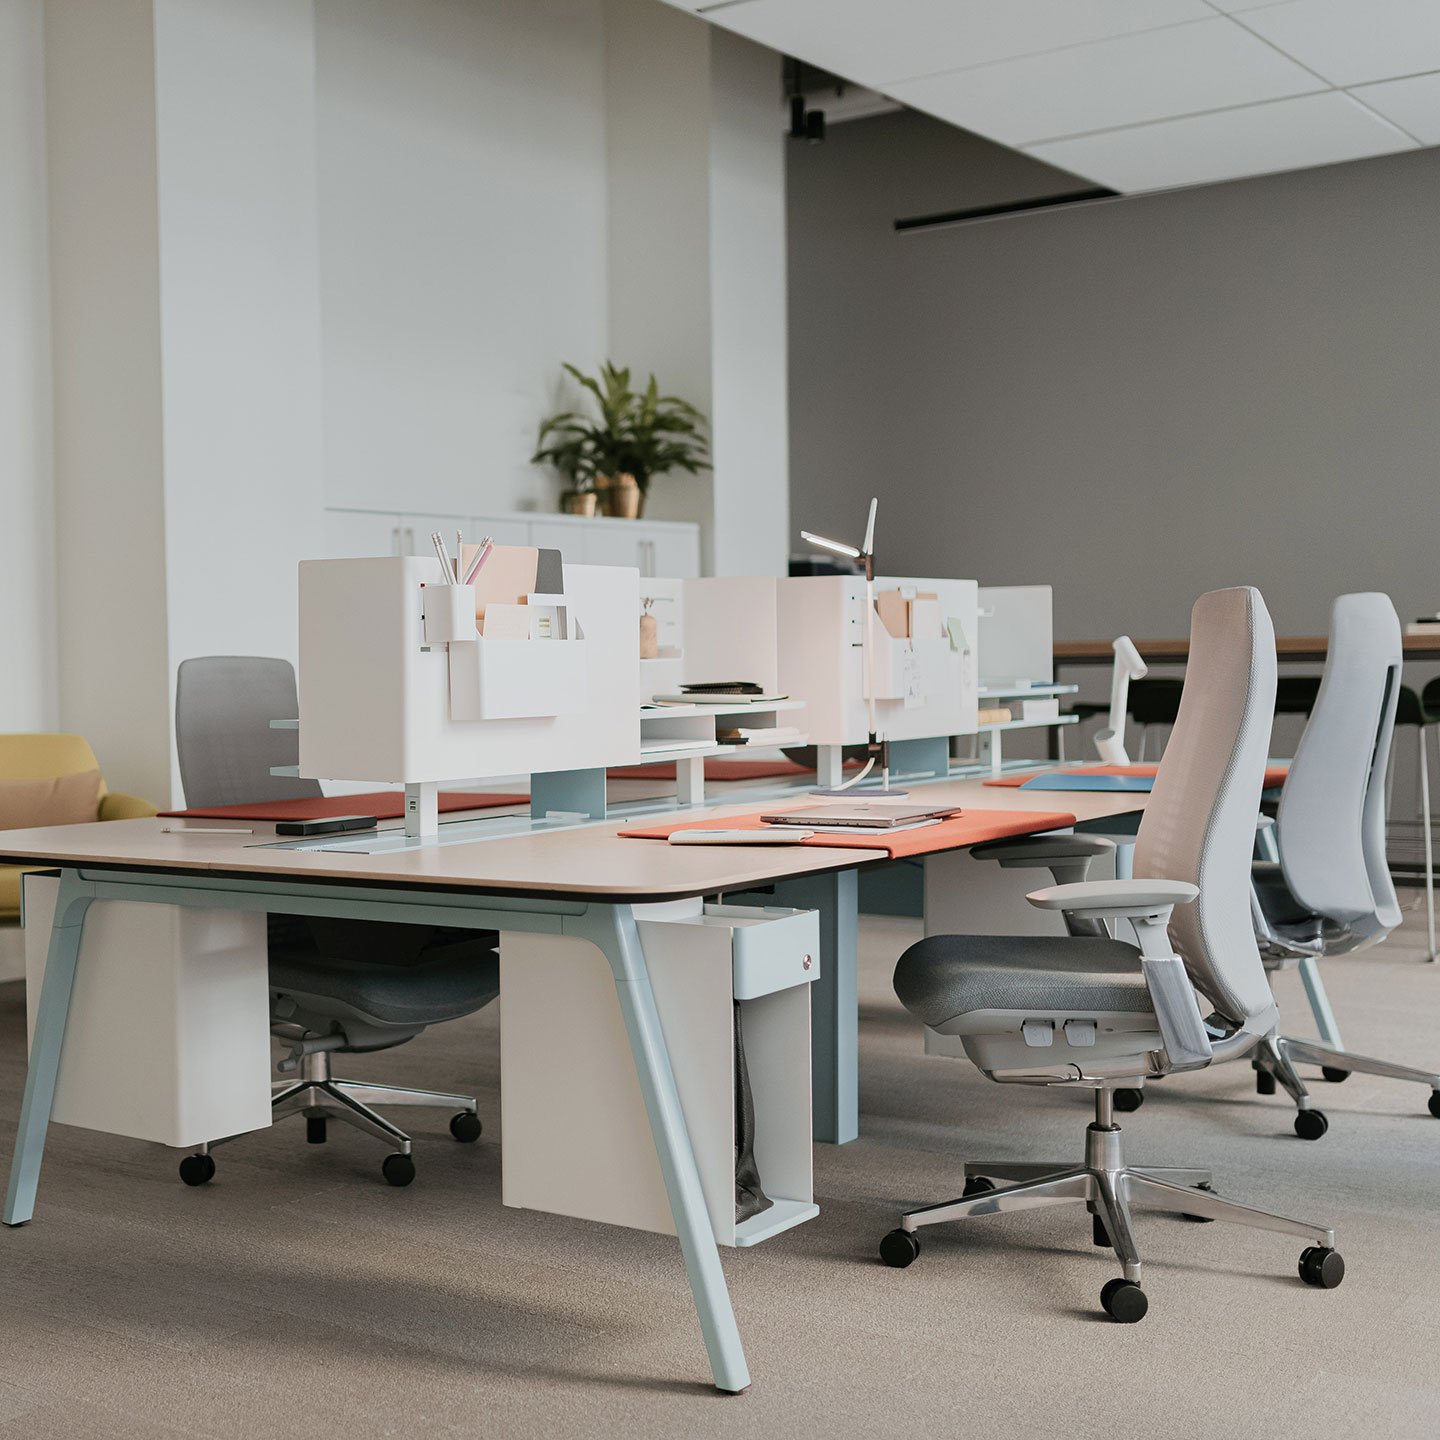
{"x":1085,"y":1009}
{"x":335,"y":985}
{"x":1330,"y":891}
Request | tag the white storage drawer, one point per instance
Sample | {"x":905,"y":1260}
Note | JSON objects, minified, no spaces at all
{"x":577,"y":1137}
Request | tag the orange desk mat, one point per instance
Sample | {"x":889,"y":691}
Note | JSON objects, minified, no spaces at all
{"x":1274,"y":774}
{"x":973,"y":827}
{"x":382,"y":804}
{"x":714,"y":770}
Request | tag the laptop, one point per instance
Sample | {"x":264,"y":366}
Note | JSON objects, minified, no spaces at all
{"x":858,"y":817}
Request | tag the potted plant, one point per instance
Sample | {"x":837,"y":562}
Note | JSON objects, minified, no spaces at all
{"x":638,"y":435}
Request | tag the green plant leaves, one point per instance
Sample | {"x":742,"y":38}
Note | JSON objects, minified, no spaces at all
{"x":642,"y":433}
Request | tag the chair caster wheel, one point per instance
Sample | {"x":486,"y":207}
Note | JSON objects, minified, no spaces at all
{"x":1199,"y":1219}
{"x":976,"y":1185}
{"x":314,"y":1129}
{"x":1435,"y":1103}
{"x":1127,"y":1100}
{"x":398,"y":1169}
{"x":466,"y":1127}
{"x":1334,"y":1074}
{"x":197,"y":1169}
{"x":1124,"y":1301}
{"x":1264,"y":1083}
{"x":899,"y":1249}
{"x":1321,"y":1267}
{"x":1311,"y":1124}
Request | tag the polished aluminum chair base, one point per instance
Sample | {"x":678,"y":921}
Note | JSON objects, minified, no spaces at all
{"x":1109,"y":1188}
{"x":320,"y":1097}
{"x":1277,"y":1055}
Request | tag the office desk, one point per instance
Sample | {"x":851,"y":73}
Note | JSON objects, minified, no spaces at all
{"x":1298,"y":648}
{"x":582,"y":882}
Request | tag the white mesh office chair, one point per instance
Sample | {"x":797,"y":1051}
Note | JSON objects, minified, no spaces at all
{"x":1089,"y":1010}
{"x":335,"y":984}
{"x":1330,"y":891}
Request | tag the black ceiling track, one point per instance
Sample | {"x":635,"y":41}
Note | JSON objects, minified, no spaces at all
{"x":1010,"y":207}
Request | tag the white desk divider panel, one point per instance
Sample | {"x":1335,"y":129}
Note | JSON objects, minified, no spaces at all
{"x":168,"y":1037}
{"x":926,"y":688}
{"x":396,"y":686}
{"x":732,"y":630}
{"x":577,"y":1140}
{"x":664,"y":674}
{"x":1016,"y":641}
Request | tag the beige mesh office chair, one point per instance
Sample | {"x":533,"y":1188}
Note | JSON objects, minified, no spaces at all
{"x":1089,"y":1010}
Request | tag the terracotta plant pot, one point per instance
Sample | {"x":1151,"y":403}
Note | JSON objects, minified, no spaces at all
{"x":578,"y":502}
{"x":620,"y":496}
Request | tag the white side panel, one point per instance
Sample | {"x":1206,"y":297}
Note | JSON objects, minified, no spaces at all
{"x":169,"y":1032}
{"x":362,"y":657}
{"x":1016,"y":635}
{"x":732,"y":630}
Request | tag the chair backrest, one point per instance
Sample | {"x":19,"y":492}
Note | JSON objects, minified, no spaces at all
{"x":1200,"y":823}
{"x":44,"y":756}
{"x":1332,"y":809}
{"x":223,"y":708}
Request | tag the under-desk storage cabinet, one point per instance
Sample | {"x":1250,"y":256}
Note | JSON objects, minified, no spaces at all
{"x":576,"y":1137}
{"x":169,"y":1031}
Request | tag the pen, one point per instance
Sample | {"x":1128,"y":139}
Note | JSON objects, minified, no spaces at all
{"x":438,"y":541}
{"x":481,"y":555}
{"x":459,"y":546}
{"x":200,"y":830}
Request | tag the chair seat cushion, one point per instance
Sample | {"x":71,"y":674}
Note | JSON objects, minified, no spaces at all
{"x":945,"y":976}
{"x":452,"y":973}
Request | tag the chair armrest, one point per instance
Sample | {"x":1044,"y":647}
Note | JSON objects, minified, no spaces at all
{"x":1026,"y":851}
{"x":1115,"y":899}
{"x":125,"y":807}
{"x":1185,"y":1043}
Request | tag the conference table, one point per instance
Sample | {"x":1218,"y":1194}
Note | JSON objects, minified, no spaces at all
{"x":583,"y":881}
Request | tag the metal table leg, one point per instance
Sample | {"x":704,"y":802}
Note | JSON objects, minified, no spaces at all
{"x":612,"y":929}
{"x":44,"y":1069}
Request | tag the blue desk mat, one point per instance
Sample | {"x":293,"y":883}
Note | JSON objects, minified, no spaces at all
{"x":1080,"y":780}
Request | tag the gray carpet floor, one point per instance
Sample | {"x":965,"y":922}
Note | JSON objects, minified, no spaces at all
{"x":299,"y":1294}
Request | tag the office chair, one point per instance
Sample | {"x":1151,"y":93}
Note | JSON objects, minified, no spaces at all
{"x":1330,"y":891}
{"x":1085,"y":1009}
{"x":346,"y":986}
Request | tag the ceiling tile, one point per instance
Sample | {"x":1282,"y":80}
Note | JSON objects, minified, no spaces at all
{"x":1257,"y":139}
{"x":877,"y":41}
{"x":1132,"y":79}
{"x":1413,"y":104}
{"x":1350,"y":42}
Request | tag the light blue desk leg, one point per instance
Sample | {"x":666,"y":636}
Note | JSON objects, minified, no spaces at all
{"x":1319,"y":1002}
{"x":612,"y":928}
{"x":834,"y":1005}
{"x":70,"y":907}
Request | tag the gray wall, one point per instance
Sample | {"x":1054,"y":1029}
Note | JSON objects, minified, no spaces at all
{"x":1134,"y":401}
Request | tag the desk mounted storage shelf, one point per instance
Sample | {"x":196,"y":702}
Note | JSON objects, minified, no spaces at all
{"x":577,"y":1140}
{"x":516,"y":679}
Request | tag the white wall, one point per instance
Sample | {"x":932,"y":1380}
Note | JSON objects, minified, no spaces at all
{"x":109,"y":456}
{"x":27,"y":632}
{"x":462,"y":241}
{"x":240,"y":329}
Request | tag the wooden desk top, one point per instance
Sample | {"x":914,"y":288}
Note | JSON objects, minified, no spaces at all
{"x":585,"y":863}
{"x":1176,"y":652}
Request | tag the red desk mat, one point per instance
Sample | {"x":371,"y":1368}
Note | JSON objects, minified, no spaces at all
{"x":1274,"y":774}
{"x":714,"y":770}
{"x":382,"y":804}
{"x":971,"y":828}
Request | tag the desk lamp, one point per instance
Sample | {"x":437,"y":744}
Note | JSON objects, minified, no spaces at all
{"x":1128,"y":666}
{"x":879,"y":749}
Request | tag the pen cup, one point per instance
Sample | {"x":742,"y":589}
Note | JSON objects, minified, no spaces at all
{"x":449,"y":613}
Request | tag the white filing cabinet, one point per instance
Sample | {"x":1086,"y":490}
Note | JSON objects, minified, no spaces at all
{"x":168,"y":1037}
{"x":653,"y":547}
{"x":577,"y":1138}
